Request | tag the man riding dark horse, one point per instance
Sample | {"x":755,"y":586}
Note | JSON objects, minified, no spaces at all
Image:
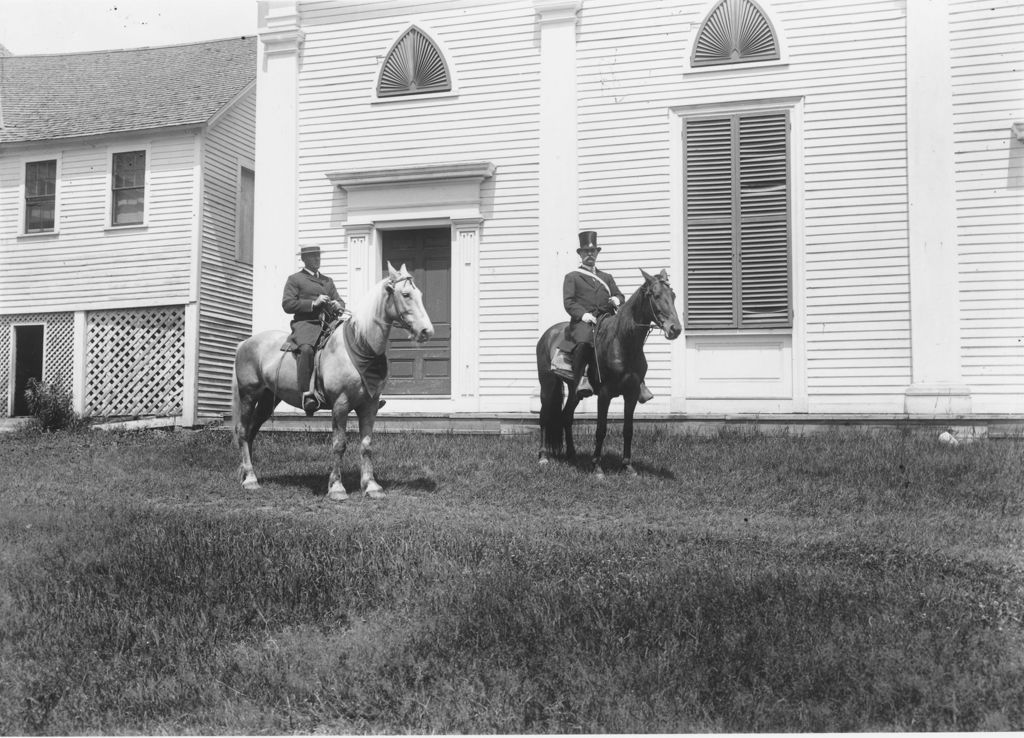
{"x":307,"y":294}
{"x":588,"y":293}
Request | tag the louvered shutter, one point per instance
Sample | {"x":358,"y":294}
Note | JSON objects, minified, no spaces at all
{"x":710,"y":292}
{"x":736,"y":211}
{"x":764,"y":220}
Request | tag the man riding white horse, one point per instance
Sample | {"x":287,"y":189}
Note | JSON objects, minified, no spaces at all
{"x":587,"y":292}
{"x":306,"y":294}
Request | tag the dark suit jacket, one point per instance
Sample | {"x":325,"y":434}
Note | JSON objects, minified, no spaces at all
{"x":300,"y":290}
{"x":585,"y":294}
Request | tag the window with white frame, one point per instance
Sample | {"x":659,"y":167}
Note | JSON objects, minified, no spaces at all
{"x":40,"y":196}
{"x":128,"y":188}
{"x":736,"y":207}
{"x":245,"y":207}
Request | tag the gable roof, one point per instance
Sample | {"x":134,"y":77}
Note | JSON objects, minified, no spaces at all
{"x":63,"y":95}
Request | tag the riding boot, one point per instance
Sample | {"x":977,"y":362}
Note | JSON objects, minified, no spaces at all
{"x":304,"y":373}
{"x":645,"y":394}
{"x":580,"y":363}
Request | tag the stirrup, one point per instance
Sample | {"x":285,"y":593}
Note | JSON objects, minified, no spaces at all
{"x":583,"y":389}
{"x":309,"y":403}
{"x":645,"y":394}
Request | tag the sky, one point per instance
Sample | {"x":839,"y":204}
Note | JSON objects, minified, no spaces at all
{"x":68,"y":26}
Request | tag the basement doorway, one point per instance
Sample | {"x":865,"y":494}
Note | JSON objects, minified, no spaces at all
{"x":28,"y":363}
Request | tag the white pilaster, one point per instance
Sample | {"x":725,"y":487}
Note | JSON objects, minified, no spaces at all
{"x":936,"y":383}
{"x":363,"y":260}
{"x":558,"y":208}
{"x":190,"y":387}
{"x":276,"y":196}
{"x":465,"y":323}
{"x":79,"y":357}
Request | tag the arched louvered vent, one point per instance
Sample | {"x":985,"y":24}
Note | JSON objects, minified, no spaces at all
{"x":414,"y":65}
{"x":735,"y":31}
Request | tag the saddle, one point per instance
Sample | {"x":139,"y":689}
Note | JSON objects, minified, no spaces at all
{"x":561,"y":364}
{"x":561,"y":359}
{"x":326,"y":331}
{"x":372,"y":367}
{"x":330,"y":319}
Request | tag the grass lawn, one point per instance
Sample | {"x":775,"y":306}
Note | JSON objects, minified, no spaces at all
{"x":742,"y":583}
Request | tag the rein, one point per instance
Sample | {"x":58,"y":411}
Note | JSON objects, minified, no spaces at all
{"x":636,"y":324}
{"x":385,"y":325}
{"x":654,"y":313}
{"x":649,"y":298}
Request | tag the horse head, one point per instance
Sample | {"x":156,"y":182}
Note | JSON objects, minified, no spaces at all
{"x":661,"y":301}
{"x":405,"y":305}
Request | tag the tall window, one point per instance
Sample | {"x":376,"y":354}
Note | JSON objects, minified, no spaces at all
{"x":40,"y":195}
{"x":736,"y":209}
{"x":735,"y":31}
{"x":129,"y":188}
{"x":246,"y":210}
{"x":414,"y":65}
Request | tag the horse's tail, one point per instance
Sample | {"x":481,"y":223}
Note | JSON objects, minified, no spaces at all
{"x":551,"y":402}
{"x":551,"y":397}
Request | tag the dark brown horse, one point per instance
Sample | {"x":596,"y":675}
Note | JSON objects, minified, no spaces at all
{"x":265,"y":375}
{"x":621,"y":367}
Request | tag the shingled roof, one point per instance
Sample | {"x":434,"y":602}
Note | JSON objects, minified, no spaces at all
{"x":64,"y":95}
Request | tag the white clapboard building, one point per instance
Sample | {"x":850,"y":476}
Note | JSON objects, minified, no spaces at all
{"x":126,"y":196}
{"x":836,"y":190}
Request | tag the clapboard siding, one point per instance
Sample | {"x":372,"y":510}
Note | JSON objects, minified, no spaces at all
{"x":848,"y":63}
{"x":627,"y":65}
{"x":845,"y":63}
{"x":225,"y":315}
{"x":494,"y":60}
{"x":988,"y":80}
{"x":97,"y":267}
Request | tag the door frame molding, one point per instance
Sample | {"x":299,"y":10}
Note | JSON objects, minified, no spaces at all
{"x":430,"y":196}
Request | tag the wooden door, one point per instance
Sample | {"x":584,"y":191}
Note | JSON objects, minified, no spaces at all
{"x":422,"y":369}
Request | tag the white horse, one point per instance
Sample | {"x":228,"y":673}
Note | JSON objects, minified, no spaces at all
{"x":265,"y":375}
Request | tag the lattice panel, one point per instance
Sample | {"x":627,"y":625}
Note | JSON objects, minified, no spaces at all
{"x":135,"y":362}
{"x":58,"y":350}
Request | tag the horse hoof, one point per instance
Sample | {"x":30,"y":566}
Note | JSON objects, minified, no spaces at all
{"x":375,"y":494}
{"x":628,"y":469}
{"x":542,"y":460}
{"x":337,"y":495}
{"x":250,"y":484}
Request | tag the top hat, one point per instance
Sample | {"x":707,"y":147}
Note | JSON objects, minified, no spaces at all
{"x":588,"y":240}
{"x":309,"y":251}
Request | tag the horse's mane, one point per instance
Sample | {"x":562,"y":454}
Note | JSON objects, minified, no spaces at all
{"x":367,"y":310}
{"x":624,"y":320}
{"x":633,"y":299}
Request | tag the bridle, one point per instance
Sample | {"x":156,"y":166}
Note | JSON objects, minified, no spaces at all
{"x":649,"y":298}
{"x":401,"y":321}
{"x":655,"y":318}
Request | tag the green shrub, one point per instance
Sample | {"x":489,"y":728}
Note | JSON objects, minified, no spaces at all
{"x":50,"y":405}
